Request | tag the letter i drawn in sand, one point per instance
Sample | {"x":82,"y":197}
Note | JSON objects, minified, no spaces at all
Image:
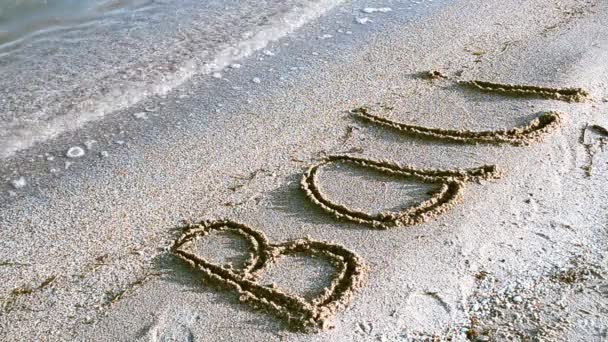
{"x":299,"y":313}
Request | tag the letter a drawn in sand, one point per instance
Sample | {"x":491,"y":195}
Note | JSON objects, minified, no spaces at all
{"x":300,"y":314}
{"x":449,"y":194}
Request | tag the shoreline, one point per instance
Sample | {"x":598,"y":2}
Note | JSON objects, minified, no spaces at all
{"x":522,"y":246}
{"x":225,"y":96}
{"x":67,"y":106}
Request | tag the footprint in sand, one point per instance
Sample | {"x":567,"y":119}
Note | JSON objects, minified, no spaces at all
{"x":426,"y":312}
{"x":174,"y":326}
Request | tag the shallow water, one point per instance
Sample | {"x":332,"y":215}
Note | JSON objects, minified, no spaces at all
{"x":66,"y":63}
{"x":19,"y":18}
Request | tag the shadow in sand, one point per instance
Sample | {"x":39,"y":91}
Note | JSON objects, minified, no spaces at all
{"x":353,"y":182}
{"x":291,"y":200}
{"x":177,"y":271}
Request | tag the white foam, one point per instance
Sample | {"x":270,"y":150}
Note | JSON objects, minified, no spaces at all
{"x":363,"y":21}
{"x":128,"y":93}
{"x":142,"y":115}
{"x":370,"y":10}
{"x":75,"y":152}
{"x":19,"y":183}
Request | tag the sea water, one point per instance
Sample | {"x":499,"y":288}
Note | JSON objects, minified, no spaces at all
{"x":67,"y":63}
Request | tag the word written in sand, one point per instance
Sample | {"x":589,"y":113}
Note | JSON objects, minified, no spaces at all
{"x":300,"y":314}
{"x":448,"y":195}
{"x":534,"y":131}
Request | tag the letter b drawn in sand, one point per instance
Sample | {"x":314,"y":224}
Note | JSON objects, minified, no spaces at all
{"x":450,"y":192}
{"x":300,"y":314}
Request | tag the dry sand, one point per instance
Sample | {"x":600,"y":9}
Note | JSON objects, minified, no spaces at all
{"x":87,"y":257}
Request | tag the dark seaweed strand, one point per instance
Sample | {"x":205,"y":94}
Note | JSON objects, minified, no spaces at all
{"x":532,"y":132}
{"x":438,"y":203}
{"x":562,"y":94}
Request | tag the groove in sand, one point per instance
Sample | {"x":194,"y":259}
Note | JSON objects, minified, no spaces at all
{"x":516,"y":90}
{"x":299,"y":313}
{"x":562,"y":94}
{"x":534,"y":131}
{"x":450,"y":193}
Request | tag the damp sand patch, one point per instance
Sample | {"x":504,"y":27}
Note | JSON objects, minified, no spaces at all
{"x":534,"y":131}
{"x":313,"y":314}
{"x":449,"y":193}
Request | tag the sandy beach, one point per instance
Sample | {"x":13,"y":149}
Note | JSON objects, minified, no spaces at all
{"x":88,"y":240}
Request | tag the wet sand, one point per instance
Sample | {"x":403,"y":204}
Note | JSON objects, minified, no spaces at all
{"x":86,"y":254}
